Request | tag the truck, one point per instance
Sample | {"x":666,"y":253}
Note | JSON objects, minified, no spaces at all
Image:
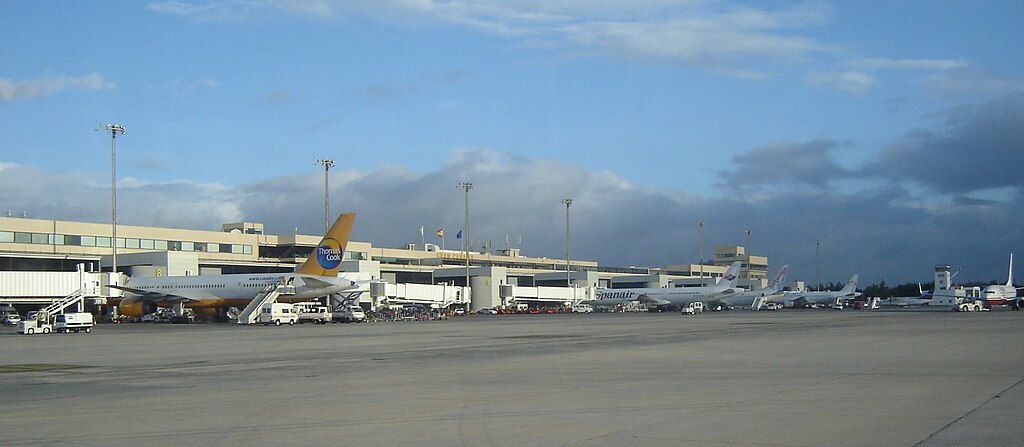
{"x":73,"y":322}
{"x":693,"y":308}
{"x":278,"y":313}
{"x":313,"y":313}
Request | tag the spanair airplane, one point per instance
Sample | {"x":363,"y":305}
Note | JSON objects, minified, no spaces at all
{"x":747,"y":299}
{"x":999,"y":294}
{"x":660,"y":297}
{"x":826,"y":297}
{"x":214,"y":294}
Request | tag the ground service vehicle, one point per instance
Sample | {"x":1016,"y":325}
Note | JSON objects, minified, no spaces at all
{"x":582,"y":309}
{"x":350,"y":314}
{"x":315,"y":314}
{"x":971,"y":306}
{"x":278,"y":313}
{"x":34,"y":326}
{"x":73,"y":322}
{"x":693,"y":308}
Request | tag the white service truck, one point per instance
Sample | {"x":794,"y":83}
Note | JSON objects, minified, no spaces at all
{"x":693,"y":308}
{"x":73,"y":322}
{"x":278,"y":313}
{"x":317,"y":314}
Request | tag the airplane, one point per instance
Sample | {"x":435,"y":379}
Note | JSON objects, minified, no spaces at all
{"x":904,"y":301}
{"x":999,"y":294}
{"x":658,"y":298}
{"x":803,"y":299}
{"x":748,"y":298}
{"x":214,"y":294}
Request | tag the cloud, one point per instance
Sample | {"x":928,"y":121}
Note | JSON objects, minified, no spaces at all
{"x":849,"y":81}
{"x":47,"y":86}
{"x":709,"y":36}
{"x":978,"y":147}
{"x":880,"y":231}
{"x":795,"y":164}
{"x":907,"y":64}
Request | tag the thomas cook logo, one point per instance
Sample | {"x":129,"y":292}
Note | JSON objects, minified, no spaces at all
{"x":328,"y":254}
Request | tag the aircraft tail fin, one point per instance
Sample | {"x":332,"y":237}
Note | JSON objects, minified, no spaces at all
{"x":851,"y":285}
{"x":780,"y":277}
{"x":730,"y":277}
{"x":326,"y":258}
{"x":1009,"y":276}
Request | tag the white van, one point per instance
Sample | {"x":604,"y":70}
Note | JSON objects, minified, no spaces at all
{"x":77,"y":321}
{"x":350,"y":314}
{"x":278,"y":313}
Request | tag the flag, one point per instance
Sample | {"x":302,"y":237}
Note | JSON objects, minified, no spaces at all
{"x":421,"y":230}
{"x":440,"y":232}
{"x":459,"y":235}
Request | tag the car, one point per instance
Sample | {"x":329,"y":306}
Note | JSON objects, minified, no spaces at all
{"x":11,"y":319}
{"x":459,"y":311}
{"x":487,"y":311}
{"x":582,"y":309}
{"x":772,"y":306}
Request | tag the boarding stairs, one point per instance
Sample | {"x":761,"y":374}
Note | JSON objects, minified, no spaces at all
{"x":758,"y":302}
{"x":266,"y":296}
{"x":58,"y":307}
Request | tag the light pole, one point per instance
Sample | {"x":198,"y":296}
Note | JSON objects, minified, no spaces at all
{"x":465,"y":228}
{"x":114,"y":129}
{"x":327,"y":164}
{"x":700,"y":237}
{"x":817,"y":260}
{"x":568,"y":276}
{"x":747,"y":250}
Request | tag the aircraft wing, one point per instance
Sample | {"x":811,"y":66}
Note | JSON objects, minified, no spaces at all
{"x":318,"y":283}
{"x":646,"y":299}
{"x":152,"y":296}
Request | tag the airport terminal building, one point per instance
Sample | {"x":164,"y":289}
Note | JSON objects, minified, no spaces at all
{"x":37,"y":245}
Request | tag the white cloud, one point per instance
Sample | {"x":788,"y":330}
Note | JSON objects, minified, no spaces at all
{"x":849,"y":81}
{"x":44,"y":87}
{"x":907,"y":64}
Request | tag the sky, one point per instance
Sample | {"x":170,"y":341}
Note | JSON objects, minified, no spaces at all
{"x":870,"y":137}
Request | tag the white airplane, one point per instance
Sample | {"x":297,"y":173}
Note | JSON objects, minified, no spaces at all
{"x":214,"y":294}
{"x":904,"y":301}
{"x":747,"y":299}
{"x":822,"y":297}
{"x":999,"y":294}
{"x":660,"y":297}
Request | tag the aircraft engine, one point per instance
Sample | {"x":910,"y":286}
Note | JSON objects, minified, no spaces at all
{"x":136,"y":307}
{"x":1017,"y":303}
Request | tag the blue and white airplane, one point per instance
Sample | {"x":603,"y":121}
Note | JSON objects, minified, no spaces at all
{"x":658,"y":297}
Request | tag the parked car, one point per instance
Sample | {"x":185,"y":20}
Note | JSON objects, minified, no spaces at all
{"x":11,"y":319}
{"x":459,"y":311}
{"x":582,"y":309}
{"x":487,"y":311}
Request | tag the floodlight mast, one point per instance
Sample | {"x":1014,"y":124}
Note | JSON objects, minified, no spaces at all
{"x":327,"y":164}
{"x":568,"y":265}
{"x":465,"y":229}
{"x":114,"y":129}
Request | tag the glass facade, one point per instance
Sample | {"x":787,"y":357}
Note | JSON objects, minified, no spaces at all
{"x":75,"y":240}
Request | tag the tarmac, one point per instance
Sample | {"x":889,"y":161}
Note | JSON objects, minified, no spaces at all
{"x":737,"y":378}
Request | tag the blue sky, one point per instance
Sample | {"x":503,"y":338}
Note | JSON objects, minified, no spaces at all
{"x":892,"y":131}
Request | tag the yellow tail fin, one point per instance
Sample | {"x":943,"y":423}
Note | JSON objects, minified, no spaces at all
{"x":326,"y":258}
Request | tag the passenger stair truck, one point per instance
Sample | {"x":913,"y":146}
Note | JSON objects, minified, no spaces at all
{"x":268,"y":295}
